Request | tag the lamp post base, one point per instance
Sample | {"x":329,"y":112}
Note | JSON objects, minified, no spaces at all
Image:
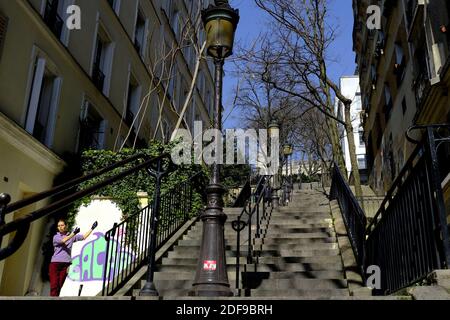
{"x":149,"y":290}
{"x":212,"y":279}
{"x":211,"y":290}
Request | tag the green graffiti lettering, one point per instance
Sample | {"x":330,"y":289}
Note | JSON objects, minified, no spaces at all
{"x":86,"y":261}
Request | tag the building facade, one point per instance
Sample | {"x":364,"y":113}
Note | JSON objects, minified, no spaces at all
{"x":349,"y":86}
{"x":404,"y":77}
{"x":118,"y":79}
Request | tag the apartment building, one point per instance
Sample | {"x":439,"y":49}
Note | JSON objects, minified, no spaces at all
{"x":118,"y":80}
{"x":349,"y":86}
{"x":404,"y":79}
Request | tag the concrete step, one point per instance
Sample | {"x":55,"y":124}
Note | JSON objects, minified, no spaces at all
{"x":265,"y":253}
{"x":194,"y":246}
{"x":251,"y":282}
{"x":262,"y":260}
{"x":295,"y":284}
{"x":297,"y":230}
{"x":284,"y":267}
{"x":301,"y":215}
{"x":326,"y":274}
{"x":295,"y":246}
{"x":300,"y":221}
{"x":313,"y":294}
{"x":269,"y":230}
{"x":303,"y":209}
{"x":313,"y":235}
{"x":296,"y":241}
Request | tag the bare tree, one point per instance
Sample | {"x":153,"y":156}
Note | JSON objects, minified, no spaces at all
{"x":163,"y":68}
{"x":292,"y":57}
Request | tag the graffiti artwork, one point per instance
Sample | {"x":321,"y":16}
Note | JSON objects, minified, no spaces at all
{"x":89,"y":265}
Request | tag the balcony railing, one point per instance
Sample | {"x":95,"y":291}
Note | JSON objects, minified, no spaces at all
{"x":422,"y":81}
{"x":53,"y":20}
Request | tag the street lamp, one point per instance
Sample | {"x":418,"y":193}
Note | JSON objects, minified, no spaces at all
{"x":220,"y":21}
{"x":287,"y":151}
{"x":274,"y":129}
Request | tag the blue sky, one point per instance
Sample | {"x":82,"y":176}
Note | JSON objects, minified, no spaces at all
{"x":252,"y":22}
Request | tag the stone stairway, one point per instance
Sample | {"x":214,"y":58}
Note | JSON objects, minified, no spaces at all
{"x":298,"y":252}
{"x":296,"y":257}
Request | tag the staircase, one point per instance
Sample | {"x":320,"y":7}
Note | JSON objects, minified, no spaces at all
{"x":296,"y":256}
{"x":299,"y":255}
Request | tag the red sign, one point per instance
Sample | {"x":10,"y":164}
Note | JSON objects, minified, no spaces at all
{"x":210,"y":265}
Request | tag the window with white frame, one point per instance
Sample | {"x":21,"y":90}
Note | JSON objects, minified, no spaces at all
{"x":102,"y":61}
{"x":92,"y":129}
{"x":55,"y":16}
{"x":140,"y":33}
{"x":133,"y":102}
{"x":43,"y":103}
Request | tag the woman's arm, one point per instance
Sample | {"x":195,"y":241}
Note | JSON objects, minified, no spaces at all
{"x":87,"y":234}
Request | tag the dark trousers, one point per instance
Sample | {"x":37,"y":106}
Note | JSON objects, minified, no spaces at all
{"x":57,"y":273}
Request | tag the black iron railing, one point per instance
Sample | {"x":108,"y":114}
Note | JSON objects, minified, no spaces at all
{"x":252,"y":213}
{"x":408,"y":237}
{"x":128,"y":242}
{"x":66,"y":197}
{"x":245,"y":193}
{"x":352,"y":214}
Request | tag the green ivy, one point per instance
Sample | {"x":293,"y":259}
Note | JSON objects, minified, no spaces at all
{"x":124,"y":191}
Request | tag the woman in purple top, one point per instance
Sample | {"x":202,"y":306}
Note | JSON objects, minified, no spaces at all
{"x":61,"y":259}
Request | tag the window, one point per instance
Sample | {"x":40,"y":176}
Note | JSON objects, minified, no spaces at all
{"x":102,"y":61}
{"x":175,"y":24}
{"x":115,"y":5}
{"x":3,"y":27}
{"x":373,"y":76}
{"x":55,"y":15}
{"x":362,"y":163}
{"x":173,"y":82}
{"x":399,"y":66}
{"x":388,"y":102}
{"x":43,"y":104}
{"x":92,"y":129}
{"x":133,"y":102}
{"x":379,"y":49}
{"x":139,"y":34}
{"x":361,"y":138}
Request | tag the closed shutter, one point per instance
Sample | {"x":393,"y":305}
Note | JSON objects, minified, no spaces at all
{"x":3,"y":26}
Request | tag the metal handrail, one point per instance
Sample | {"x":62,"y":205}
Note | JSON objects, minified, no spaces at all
{"x":251,"y":207}
{"x":22,"y":224}
{"x":121,"y":265}
{"x":414,"y":209}
{"x":352,"y":214}
{"x":408,"y":237}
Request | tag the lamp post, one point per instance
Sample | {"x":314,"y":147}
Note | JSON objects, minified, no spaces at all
{"x":287,"y":151}
{"x":274,"y":128}
{"x":220,"y":21}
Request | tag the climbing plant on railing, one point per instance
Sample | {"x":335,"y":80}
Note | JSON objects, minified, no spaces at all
{"x":124,"y":192}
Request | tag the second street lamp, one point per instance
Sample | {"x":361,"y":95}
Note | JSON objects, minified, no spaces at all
{"x":287,"y":151}
{"x":220,"y":21}
{"x":274,"y":129}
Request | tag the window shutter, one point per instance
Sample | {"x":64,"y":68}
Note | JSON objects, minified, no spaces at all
{"x":3,"y":27}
